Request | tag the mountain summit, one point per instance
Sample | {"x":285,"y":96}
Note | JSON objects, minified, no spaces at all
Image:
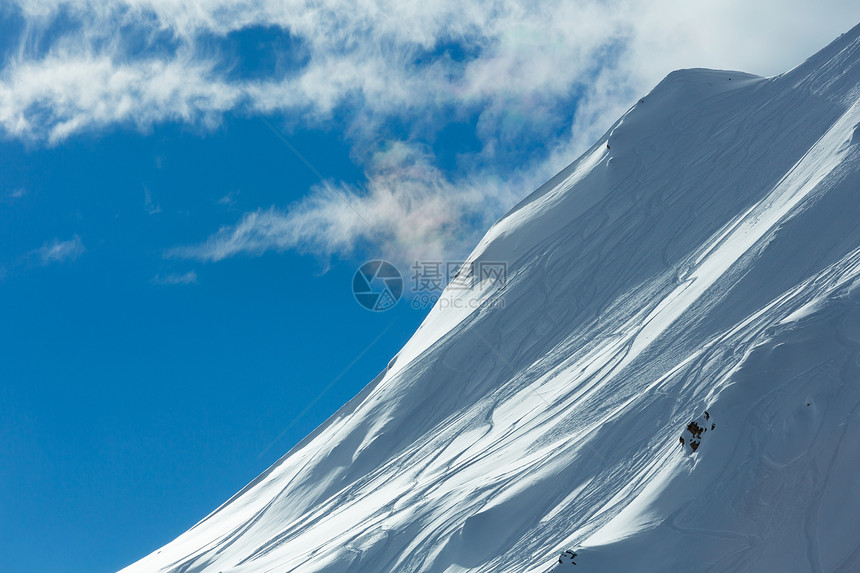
{"x":669,"y":379}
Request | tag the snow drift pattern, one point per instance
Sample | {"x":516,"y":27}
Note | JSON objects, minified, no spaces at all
{"x":703,"y":256}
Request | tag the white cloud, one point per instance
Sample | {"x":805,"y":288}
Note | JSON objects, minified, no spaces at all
{"x":229,"y":199}
{"x":408,"y":210}
{"x":369,"y":64}
{"x":526,"y":55}
{"x":65,"y":93}
{"x":15,"y":193}
{"x":175,"y":279}
{"x":57,"y":251}
{"x":151,"y":207}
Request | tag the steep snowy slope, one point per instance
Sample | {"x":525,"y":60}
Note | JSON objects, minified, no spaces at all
{"x":704,"y":256}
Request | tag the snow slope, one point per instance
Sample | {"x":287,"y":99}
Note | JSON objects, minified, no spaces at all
{"x":703,"y":256}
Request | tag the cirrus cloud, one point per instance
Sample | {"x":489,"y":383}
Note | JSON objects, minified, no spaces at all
{"x":58,"y":251}
{"x":172,"y":279}
{"x":408,"y":209}
{"x":549,"y":74}
{"x":145,"y":61}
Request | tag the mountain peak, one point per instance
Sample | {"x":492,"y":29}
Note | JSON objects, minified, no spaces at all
{"x":698,"y":265}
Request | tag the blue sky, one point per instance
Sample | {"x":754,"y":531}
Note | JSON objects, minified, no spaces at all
{"x":132,"y":408}
{"x":185,"y":196}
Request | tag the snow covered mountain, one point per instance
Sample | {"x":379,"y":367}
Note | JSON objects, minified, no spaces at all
{"x":704,"y":256}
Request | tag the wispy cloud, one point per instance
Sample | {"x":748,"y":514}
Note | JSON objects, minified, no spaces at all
{"x":152,"y":208}
{"x":229,"y":199}
{"x":175,"y":279}
{"x":57,"y":251}
{"x":408,"y":210}
{"x":382,"y":59}
{"x":545,"y":71}
{"x":10,"y":196}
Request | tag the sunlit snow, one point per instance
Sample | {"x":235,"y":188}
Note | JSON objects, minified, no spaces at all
{"x":703,"y":256}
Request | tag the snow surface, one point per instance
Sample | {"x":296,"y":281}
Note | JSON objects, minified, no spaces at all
{"x":703,"y":256}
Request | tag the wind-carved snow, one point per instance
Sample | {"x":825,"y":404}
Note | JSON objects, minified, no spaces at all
{"x":703,"y":256}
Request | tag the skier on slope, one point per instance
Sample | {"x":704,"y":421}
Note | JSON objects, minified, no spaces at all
{"x":567,"y":557}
